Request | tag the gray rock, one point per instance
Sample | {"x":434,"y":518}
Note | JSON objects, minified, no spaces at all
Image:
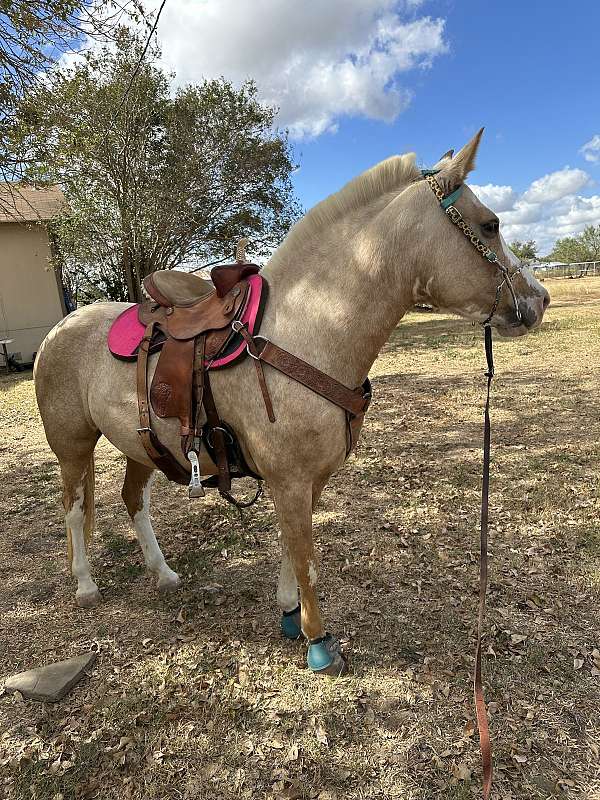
{"x":50,"y":683}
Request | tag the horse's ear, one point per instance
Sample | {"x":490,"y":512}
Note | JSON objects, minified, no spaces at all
{"x":444,"y":160}
{"x":455,"y":170}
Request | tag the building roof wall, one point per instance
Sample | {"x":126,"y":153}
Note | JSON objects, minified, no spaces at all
{"x":20,"y":203}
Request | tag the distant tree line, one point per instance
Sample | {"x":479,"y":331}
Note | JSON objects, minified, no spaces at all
{"x":585,"y":246}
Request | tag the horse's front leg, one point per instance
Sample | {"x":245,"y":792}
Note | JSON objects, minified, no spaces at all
{"x":136,"y":496}
{"x":294,"y":503}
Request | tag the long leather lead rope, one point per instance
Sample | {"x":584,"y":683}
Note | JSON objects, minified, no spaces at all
{"x":480,"y":710}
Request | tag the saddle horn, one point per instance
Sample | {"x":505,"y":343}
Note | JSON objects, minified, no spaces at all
{"x":240,"y":251}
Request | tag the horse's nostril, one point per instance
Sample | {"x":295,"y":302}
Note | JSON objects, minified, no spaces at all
{"x":546,"y":300}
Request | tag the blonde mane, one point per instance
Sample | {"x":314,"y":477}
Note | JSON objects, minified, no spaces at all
{"x":390,"y":175}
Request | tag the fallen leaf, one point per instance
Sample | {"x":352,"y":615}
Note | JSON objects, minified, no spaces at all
{"x":321,"y":736}
{"x":369,"y":716}
{"x":461,"y":772}
{"x":292,"y":753}
{"x":518,"y":638}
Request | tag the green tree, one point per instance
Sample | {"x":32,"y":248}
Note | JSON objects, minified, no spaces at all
{"x":33,"y":36}
{"x":153,"y":180}
{"x":583,"y":247}
{"x":526,"y":251}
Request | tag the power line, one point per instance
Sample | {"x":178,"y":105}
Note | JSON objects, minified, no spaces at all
{"x":141,"y":59}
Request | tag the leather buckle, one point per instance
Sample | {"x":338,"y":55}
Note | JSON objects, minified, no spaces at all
{"x":255,"y":339}
{"x":209,"y":438}
{"x":454,"y":214}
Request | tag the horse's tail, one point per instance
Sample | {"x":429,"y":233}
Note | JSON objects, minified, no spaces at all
{"x":89,"y":509}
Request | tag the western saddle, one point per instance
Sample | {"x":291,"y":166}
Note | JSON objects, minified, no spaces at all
{"x":192,"y":322}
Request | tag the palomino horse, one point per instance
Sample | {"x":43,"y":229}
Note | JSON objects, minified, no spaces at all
{"x":338,"y":285}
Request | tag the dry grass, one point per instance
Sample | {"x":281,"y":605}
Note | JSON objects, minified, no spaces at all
{"x":218,"y":706}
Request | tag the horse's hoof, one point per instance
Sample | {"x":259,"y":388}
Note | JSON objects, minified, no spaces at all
{"x":169,"y":581}
{"x":326,"y":658}
{"x":290,"y":624}
{"x":88,"y":599}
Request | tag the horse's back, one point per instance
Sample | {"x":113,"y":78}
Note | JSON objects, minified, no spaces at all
{"x":74,"y":335}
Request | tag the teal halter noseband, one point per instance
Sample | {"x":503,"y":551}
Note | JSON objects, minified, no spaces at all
{"x":454,"y":215}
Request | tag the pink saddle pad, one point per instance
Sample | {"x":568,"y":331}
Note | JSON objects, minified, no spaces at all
{"x":127,"y":331}
{"x":125,"y":334}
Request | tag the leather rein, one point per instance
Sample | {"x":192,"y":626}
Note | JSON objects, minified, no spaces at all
{"x":454,"y":215}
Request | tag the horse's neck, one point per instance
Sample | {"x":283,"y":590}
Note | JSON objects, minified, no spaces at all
{"x":335,"y":304}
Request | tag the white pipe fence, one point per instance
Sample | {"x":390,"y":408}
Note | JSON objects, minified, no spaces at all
{"x":577,"y":269}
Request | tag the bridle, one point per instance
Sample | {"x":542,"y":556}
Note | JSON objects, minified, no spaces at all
{"x":454,"y":215}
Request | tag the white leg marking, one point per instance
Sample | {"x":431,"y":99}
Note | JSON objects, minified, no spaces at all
{"x":287,"y":588}
{"x":312,"y":573}
{"x":155,"y":561}
{"x":87,"y":592}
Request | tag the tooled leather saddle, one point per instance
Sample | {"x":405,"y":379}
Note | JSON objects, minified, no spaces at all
{"x":199,"y":326}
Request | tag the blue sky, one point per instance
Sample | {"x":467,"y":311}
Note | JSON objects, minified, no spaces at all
{"x":360,"y":80}
{"x":528,"y":71}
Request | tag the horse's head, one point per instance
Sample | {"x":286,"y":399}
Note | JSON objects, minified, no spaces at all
{"x":463,"y":263}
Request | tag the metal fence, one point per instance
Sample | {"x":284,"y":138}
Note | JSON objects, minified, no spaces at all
{"x":578,"y":269}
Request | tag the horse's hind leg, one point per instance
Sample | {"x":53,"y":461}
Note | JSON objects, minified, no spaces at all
{"x":77,"y":471}
{"x":136,"y":496}
{"x":287,"y":596}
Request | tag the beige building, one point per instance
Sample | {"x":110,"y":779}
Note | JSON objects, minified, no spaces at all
{"x":31,"y":294}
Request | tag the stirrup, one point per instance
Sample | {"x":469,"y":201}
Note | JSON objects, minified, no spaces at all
{"x":195,"y":488}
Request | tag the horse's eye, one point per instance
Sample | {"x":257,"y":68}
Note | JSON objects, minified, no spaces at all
{"x":491,"y":228}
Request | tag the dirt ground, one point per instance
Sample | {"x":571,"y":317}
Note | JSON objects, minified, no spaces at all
{"x":196,"y":695}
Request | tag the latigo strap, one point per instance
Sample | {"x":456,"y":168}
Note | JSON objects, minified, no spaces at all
{"x":158,"y":454}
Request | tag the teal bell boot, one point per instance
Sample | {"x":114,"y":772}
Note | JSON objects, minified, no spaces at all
{"x":325,"y":657}
{"x":290,"y":624}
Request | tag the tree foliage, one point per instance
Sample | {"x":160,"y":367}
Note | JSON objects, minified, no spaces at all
{"x":34,"y":34}
{"x":153,"y":180}
{"x":526,"y":251}
{"x":583,"y":247}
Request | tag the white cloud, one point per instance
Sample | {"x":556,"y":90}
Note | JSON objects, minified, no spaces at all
{"x":548,"y":210}
{"x":556,"y":185}
{"x":499,"y":198}
{"x":316,"y":61}
{"x":591,"y":150}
